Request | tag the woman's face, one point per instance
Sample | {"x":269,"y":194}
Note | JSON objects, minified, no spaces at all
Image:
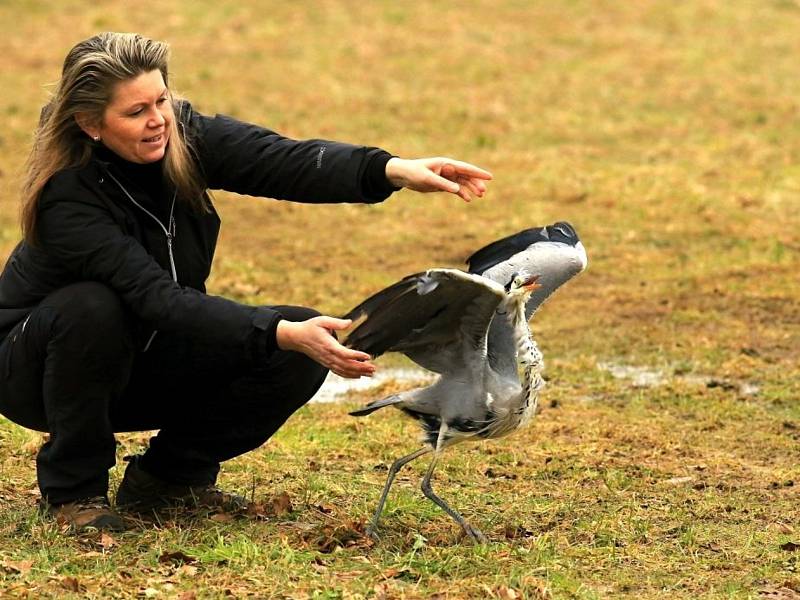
{"x":137,"y":121}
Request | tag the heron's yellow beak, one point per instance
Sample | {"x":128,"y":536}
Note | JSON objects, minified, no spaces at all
{"x":532,"y":284}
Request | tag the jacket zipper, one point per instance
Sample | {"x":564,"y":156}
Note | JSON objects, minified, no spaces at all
{"x":169,"y":231}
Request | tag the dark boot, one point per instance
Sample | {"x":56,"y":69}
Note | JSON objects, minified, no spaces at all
{"x":86,"y":513}
{"x":142,"y":492}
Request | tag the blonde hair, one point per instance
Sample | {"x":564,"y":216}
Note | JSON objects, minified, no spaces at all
{"x":91,"y":70}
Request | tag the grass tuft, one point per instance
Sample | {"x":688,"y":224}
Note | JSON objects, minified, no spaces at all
{"x":663,"y":463}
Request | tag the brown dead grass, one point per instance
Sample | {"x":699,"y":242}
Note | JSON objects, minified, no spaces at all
{"x":667,"y":133}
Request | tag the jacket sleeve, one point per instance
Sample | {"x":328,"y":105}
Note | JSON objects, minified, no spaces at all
{"x":248,"y":159}
{"x":83,"y":236}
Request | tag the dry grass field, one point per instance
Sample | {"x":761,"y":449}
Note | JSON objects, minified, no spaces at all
{"x":664,"y":462}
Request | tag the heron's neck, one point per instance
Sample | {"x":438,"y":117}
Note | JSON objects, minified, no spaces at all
{"x":532,"y":382}
{"x":530,"y":363}
{"x":522,"y":406}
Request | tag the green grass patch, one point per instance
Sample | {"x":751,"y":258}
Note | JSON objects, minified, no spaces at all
{"x":667,"y":133}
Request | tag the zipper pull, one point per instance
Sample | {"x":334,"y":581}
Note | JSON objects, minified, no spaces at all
{"x":171,"y":257}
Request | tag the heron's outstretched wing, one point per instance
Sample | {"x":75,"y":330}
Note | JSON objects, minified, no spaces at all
{"x":501,"y":250}
{"x":428,"y":316}
{"x":554,"y":253}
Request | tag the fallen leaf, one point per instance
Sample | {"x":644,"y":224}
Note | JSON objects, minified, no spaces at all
{"x":187,"y":570}
{"x":106,"y":541}
{"x":492,"y":474}
{"x":331,"y":538}
{"x":678,"y":480}
{"x":725,"y":385}
{"x":187,"y":596}
{"x":299,"y":525}
{"x":790,"y":546}
{"x":281,"y":504}
{"x":221,"y":518}
{"x":779,"y":484}
{"x":176,"y":558}
{"x":277,"y":506}
{"x":379,"y":591}
{"x":515,"y":532}
{"x":72,"y":584}
{"x":778,"y":592}
{"x":17,"y":566}
{"x":394,"y":573}
{"x":507,"y":593}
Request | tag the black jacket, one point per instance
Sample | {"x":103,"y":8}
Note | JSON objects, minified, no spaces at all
{"x":96,"y":224}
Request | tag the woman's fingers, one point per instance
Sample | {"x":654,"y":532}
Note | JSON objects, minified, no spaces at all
{"x":438,"y":174}
{"x":348,"y":354}
{"x":350,"y":371}
{"x":469,"y":178}
{"x":332,"y":322}
{"x":453,"y":168}
{"x":315,"y":339}
{"x":351,"y":368}
{"x":344,"y":361}
{"x":476,"y":186}
{"x":437,"y":182}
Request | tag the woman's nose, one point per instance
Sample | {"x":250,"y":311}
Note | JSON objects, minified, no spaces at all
{"x":156,"y":119}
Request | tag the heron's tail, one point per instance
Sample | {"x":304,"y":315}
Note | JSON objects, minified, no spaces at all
{"x":375,"y":405}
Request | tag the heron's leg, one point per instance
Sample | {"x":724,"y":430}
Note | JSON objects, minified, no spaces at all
{"x":472,"y":532}
{"x":396,"y":466}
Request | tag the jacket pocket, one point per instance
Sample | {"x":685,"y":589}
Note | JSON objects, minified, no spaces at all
{"x":11,"y":340}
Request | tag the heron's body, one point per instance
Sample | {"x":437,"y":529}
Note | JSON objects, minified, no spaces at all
{"x":478,"y":403}
{"x":472,"y":329}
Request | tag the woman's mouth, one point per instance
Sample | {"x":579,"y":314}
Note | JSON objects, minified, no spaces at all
{"x":154,"y":140}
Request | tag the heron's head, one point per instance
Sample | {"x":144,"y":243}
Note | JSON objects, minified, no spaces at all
{"x":522,"y":284}
{"x":554,"y":253}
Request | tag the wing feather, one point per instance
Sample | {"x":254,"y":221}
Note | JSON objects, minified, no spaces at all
{"x":554,"y":260}
{"x":427,"y":316}
{"x":503,"y":249}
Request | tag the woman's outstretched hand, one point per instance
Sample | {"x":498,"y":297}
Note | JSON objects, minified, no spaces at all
{"x":438,"y":175}
{"x":314,"y":338}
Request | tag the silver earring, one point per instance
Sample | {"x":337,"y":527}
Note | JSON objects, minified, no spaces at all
{"x":96,"y":138}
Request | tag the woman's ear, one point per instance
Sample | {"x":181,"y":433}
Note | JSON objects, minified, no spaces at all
{"x":88,"y":125}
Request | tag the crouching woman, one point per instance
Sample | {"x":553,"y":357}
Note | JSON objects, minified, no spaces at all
{"x":105,"y":322}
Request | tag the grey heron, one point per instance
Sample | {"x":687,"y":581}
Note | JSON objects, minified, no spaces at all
{"x":472,"y":329}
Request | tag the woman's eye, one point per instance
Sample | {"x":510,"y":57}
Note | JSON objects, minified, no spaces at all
{"x":136,"y":112}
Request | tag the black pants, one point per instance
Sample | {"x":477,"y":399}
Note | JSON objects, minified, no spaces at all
{"x":71,"y":369}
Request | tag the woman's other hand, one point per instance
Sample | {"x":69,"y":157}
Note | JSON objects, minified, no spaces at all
{"x":438,"y":175}
{"x":314,"y":338}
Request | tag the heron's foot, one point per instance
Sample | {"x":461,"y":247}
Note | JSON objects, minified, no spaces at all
{"x":373,"y":534}
{"x":476,"y":534}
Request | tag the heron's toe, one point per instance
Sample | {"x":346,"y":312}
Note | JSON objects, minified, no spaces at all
{"x":476,"y":534}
